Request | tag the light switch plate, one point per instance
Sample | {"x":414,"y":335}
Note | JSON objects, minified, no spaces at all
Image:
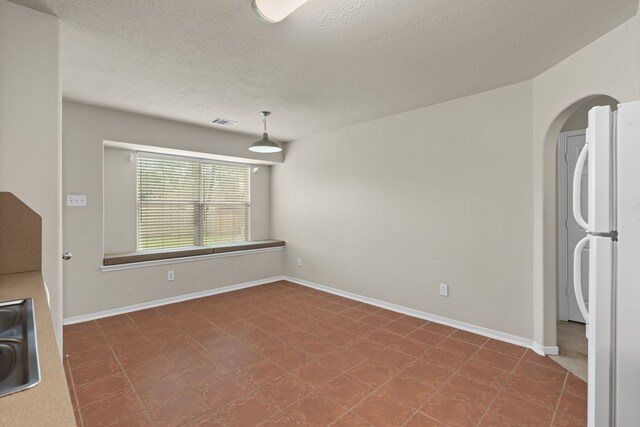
{"x":444,"y":289}
{"x":76,"y":200}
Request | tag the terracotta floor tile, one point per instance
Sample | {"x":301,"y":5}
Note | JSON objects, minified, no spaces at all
{"x":395,"y":358}
{"x":285,"y":390}
{"x":411,"y":347}
{"x":350,"y":420}
{"x":427,"y":337}
{"x":291,"y":359}
{"x":95,"y":371}
{"x":573,"y":406}
{"x":444,"y":358}
{"x":476,"y":393}
{"x":316,"y":374}
{"x":427,"y":373}
{"x":469,"y":337}
{"x":158,"y":391}
{"x":279,"y":420}
{"x":533,"y":391}
{"x":407,"y":391}
{"x":576,"y":386}
{"x":484,"y":373}
{"x":438,"y":328}
{"x":375,"y":320}
{"x":399,"y":328}
{"x":315,"y":409}
{"x":381,"y":410}
{"x":147,"y":369}
{"x":141,"y":419}
{"x":346,"y":390}
{"x":564,"y":421}
{"x":342,"y":360}
{"x":282,"y":354}
{"x":540,"y":374}
{"x":102,"y":389}
{"x":413,"y":321}
{"x":373,"y":374}
{"x":187,"y":406}
{"x":247,"y":411}
{"x":532,"y":357}
{"x":112,"y":409}
{"x":365,"y":347}
{"x":520,"y":412}
{"x":92,"y":357}
{"x":459,"y":347}
{"x":90,"y":326}
{"x":203,"y":373}
{"x":421,"y":420}
{"x":505,"y":348}
{"x":498,"y":360}
{"x":223,"y":390}
{"x":260,"y":373}
{"x":452,"y":411}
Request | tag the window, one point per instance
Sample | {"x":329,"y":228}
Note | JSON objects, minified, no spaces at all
{"x":184,"y":202}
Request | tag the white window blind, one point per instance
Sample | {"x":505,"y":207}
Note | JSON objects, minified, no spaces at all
{"x":191,"y":203}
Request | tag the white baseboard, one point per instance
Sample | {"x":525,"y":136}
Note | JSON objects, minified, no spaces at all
{"x":490,"y":333}
{"x":165,"y":301}
{"x":549,"y":350}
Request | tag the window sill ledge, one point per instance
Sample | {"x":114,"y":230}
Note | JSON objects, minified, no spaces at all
{"x":114,"y":262}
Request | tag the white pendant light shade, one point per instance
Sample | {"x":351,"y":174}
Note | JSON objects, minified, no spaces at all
{"x":265,"y":145}
{"x":275,"y":10}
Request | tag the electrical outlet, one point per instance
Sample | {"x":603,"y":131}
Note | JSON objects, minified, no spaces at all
{"x":171,"y":275}
{"x":444,"y":289}
{"x":76,"y":200}
{"x":299,"y":262}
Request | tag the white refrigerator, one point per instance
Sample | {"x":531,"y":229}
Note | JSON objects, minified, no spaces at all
{"x":612,"y":156}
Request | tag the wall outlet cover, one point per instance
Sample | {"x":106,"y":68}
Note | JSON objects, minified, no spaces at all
{"x":171,"y":275}
{"x":76,"y":200}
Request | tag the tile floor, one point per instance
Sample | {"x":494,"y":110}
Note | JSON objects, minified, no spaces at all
{"x":282,"y":354}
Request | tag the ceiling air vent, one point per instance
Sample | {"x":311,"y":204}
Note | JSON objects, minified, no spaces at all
{"x":223,"y":122}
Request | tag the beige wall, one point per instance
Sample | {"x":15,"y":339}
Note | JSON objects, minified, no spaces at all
{"x":381,"y":209}
{"x":30,"y":105}
{"x":87,"y":289}
{"x":391,"y":208}
{"x":579,"y":119}
{"x":608,"y":66}
{"x":120,"y":201}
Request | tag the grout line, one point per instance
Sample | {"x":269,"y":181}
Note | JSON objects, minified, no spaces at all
{"x":564,"y":385}
{"x":501,"y":389}
{"x":73,"y":389}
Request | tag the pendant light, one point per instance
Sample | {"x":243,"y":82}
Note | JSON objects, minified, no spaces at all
{"x":275,"y":10}
{"x":265,"y":145}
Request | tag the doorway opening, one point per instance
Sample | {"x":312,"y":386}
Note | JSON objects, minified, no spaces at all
{"x":570,"y":329}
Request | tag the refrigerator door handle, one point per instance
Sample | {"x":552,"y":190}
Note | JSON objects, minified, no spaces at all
{"x":577,"y":188}
{"x":577,"y":277}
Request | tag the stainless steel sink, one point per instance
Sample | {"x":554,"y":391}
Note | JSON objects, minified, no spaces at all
{"x":19,"y":366}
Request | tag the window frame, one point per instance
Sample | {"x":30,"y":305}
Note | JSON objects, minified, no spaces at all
{"x":199,"y":207}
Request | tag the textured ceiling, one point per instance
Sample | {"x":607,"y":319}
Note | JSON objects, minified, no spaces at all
{"x":332,"y":63}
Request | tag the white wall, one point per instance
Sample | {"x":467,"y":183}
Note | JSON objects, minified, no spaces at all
{"x":391,"y":208}
{"x":87,"y":290}
{"x":30,"y":105}
{"x":120,"y":201}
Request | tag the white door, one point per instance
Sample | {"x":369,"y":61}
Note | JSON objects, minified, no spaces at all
{"x":571,"y":143}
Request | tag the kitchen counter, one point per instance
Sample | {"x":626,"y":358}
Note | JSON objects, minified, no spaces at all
{"x":48,"y":403}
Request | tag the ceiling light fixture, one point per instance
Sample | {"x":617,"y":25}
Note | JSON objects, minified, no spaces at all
{"x":275,"y":10}
{"x":265,"y":145}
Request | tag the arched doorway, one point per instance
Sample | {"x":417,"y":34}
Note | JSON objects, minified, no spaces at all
{"x":555,"y":242}
{"x":571,"y":334}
